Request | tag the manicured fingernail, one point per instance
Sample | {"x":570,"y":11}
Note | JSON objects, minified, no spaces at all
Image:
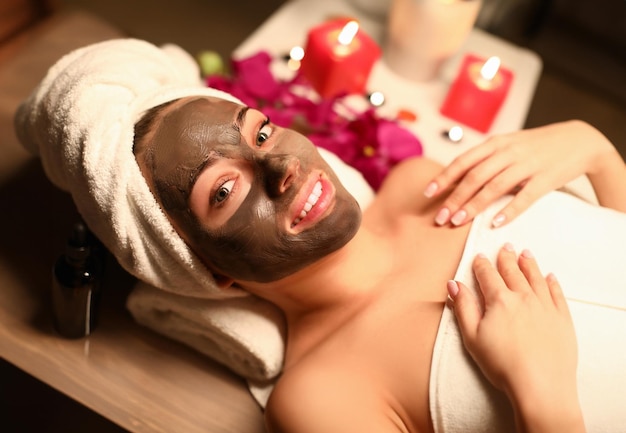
{"x":453,"y":288}
{"x":528,"y":254}
{"x":509,"y":247}
{"x":481,"y":256}
{"x":442,"y":216}
{"x":431,"y":189}
{"x":498,"y":220}
{"x":459,"y":217}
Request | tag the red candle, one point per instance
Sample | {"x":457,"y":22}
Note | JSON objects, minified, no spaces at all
{"x":477,"y":93}
{"x":338,"y":58}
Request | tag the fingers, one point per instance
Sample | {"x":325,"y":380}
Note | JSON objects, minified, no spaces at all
{"x":457,"y":169}
{"x":536,"y":281}
{"x":480,"y":188}
{"x":513,"y":273}
{"x":514,"y":286}
{"x":510,"y":271}
{"x":467,"y":309}
{"x":516,"y":274}
{"x":472,"y":170}
{"x":485,"y":173}
{"x":489,"y":280}
{"x":556,"y":294}
{"x":524,"y":197}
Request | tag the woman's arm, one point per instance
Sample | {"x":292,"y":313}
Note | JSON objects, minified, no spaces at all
{"x":608,"y":176}
{"x":521,"y":335}
{"x":529,"y":163}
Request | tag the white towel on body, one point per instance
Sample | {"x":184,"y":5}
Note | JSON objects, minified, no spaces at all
{"x":585,"y":247}
{"x":80,"y":121}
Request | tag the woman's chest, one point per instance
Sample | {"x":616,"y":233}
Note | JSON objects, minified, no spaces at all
{"x":389,"y":349}
{"x":389,"y":343}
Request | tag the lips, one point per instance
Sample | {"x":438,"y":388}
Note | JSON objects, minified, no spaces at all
{"x":311,"y":201}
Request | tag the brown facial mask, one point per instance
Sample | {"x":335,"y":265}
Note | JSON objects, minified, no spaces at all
{"x":257,"y":242}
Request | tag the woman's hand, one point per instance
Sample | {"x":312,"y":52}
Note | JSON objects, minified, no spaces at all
{"x":521,"y":335}
{"x":527,"y":163}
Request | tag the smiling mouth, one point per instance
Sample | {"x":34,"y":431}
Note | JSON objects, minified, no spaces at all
{"x":311,"y":201}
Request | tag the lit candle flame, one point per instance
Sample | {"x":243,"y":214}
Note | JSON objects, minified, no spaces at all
{"x":490,"y":68}
{"x":348,"y":33}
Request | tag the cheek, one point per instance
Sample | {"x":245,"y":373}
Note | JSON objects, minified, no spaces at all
{"x":249,"y":233}
{"x":252,"y":229}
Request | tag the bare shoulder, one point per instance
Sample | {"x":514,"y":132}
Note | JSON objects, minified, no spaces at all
{"x":403,"y":189}
{"x":418,"y":170}
{"x":313,"y":399}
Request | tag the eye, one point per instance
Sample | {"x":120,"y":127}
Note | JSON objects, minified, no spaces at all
{"x":265,"y":132}
{"x":223,"y":191}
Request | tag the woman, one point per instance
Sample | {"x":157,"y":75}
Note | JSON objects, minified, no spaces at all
{"x":363,"y":293}
{"x":264,"y":212}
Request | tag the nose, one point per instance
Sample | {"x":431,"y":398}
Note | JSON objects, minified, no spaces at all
{"x":281,"y":171}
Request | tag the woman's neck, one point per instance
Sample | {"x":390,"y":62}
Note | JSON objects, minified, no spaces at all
{"x":337,"y":278}
{"x":319,"y":299}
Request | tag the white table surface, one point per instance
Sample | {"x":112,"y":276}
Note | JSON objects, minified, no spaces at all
{"x":288,"y":27}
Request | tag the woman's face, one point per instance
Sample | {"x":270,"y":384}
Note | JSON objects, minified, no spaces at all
{"x":255,"y":201}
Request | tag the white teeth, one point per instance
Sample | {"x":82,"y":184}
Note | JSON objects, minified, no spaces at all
{"x":311,"y":201}
{"x":317,"y":190}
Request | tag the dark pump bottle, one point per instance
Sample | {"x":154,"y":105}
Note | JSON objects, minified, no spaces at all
{"x":76,"y":286}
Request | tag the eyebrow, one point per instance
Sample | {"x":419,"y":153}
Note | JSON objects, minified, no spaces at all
{"x":241,"y":117}
{"x":193,"y":177}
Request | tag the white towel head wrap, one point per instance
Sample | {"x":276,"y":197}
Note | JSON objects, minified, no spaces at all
{"x":80,"y":121}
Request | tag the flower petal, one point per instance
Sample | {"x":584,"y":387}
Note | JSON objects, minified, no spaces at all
{"x":397,"y":143}
{"x":254,"y":75}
